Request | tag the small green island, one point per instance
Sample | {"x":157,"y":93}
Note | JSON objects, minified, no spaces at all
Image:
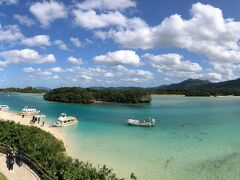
{"x":90,"y":95}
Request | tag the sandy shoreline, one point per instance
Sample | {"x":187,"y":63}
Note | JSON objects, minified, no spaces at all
{"x":12,"y":116}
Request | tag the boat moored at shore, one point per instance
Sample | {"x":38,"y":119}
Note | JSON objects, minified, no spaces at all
{"x":64,"y":120}
{"x":29,"y":111}
{"x":4,"y":107}
{"x":145,"y":123}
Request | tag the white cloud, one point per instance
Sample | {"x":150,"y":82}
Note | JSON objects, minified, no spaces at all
{"x":91,"y":20}
{"x":214,"y":76}
{"x":25,"y":56}
{"x":61,"y":45}
{"x":39,"y":40}
{"x":8,"y":2}
{"x":174,"y":65}
{"x":75,"y":41}
{"x":74,"y":80}
{"x":207,"y":33}
{"x":225,"y":69}
{"x":123,"y":71}
{"x":108,"y":74}
{"x":28,"y":70}
{"x":55,"y":77}
{"x":24,"y":20}
{"x":48,"y":11}
{"x":56,"y":70}
{"x":10,"y":33}
{"x":121,"y":57}
{"x":86,"y":77}
{"x":45,"y":74}
{"x":106,"y":4}
{"x":75,"y":61}
{"x":89,"y":73}
{"x":135,"y":80}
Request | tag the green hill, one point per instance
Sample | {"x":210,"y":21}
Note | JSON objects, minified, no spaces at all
{"x":197,"y":87}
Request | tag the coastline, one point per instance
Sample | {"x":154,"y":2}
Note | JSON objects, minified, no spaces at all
{"x":13,"y":116}
{"x":182,"y":95}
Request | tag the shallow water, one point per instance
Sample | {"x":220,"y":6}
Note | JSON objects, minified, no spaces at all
{"x":194,"y":138}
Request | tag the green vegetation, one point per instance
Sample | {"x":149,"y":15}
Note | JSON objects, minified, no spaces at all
{"x":23,"y":90}
{"x":2,"y":177}
{"x":50,"y":153}
{"x":196,"y":87}
{"x":89,"y":95}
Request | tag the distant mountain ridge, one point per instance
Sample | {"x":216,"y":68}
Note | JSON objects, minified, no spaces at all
{"x":198,"y":87}
{"x":203,"y":85}
{"x":187,"y":84}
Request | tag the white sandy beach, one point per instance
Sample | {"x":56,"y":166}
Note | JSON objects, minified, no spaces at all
{"x":8,"y":115}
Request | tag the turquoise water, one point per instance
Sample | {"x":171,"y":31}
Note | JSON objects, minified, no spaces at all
{"x":194,"y":138}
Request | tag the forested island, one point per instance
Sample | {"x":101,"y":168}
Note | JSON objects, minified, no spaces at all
{"x":90,"y":95}
{"x":23,"y":90}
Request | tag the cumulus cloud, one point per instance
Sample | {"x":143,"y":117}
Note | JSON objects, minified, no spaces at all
{"x":123,"y":71}
{"x":45,"y":74}
{"x":8,"y":2}
{"x":28,"y":69}
{"x":206,"y":33}
{"x":89,"y":73}
{"x":91,"y":20}
{"x":108,"y":74}
{"x":25,"y":56}
{"x":226,"y":69}
{"x":106,"y":4}
{"x":48,"y":11}
{"x":76,"y":42}
{"x":10,"y":33}
{"x":214,"y":76}
{"x":86,"y":77}
{"x":39,"y":40}
{"x":61,"y":44}
{"x":121,"y":57}
{"x":75,"y":61}
{"x":24,"y":20}
{"x":56,"y":69}
{"x":174,"y":65}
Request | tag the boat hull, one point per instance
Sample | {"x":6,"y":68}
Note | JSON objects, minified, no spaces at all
{"x":133,"y":122}
{"x":29,"y":113}
{"x":63,"y":125}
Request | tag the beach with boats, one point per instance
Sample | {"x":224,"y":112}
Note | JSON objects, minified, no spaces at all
{"x":187,"y":135}
{"x":27,"y":120}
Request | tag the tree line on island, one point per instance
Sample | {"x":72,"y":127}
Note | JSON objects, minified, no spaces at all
{"x":189,"y":87}
{"x":50,"y":153}
{"x":90,"y":95}
{"x":24,"y":90}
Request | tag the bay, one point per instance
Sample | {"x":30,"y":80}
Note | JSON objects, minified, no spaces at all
{"x":194,"y":137}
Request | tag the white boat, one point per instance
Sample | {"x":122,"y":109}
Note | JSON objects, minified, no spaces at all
{"x":146,"y":122}
{"x":29,"y":111}
{"x":4,"y":107}
{"x":64,"y":120}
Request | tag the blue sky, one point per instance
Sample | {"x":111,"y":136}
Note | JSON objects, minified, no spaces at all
{"x":117,"y":43}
